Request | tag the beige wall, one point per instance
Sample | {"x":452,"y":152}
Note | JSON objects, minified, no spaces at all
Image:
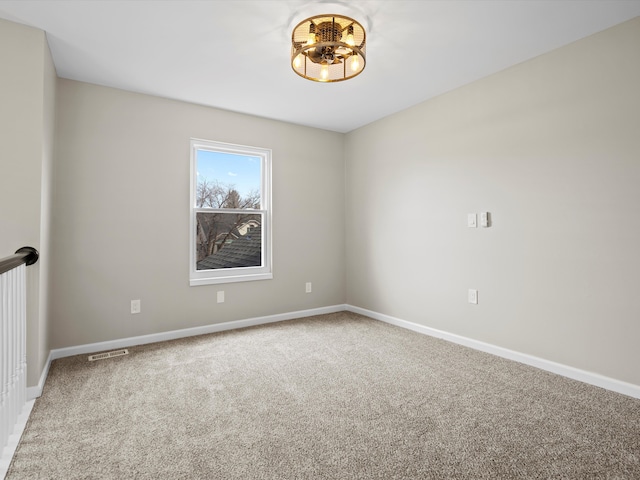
{"x":551,"y":148}
{"x":27,"y":90}
{"x":121,"y":210}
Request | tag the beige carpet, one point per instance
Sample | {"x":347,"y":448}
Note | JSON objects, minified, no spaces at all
{"x":335,"y":396}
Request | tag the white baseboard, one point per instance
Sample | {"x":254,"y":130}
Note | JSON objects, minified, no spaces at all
{"x":566,"y":371}
{"x":34,"y":392}
{"x":557,"y":368}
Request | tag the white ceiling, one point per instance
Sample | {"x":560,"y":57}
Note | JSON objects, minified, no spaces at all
{"x":235,"y":54}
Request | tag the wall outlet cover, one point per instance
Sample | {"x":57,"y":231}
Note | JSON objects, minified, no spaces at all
{"x":473,"y":296}
{"x":135,"y":307}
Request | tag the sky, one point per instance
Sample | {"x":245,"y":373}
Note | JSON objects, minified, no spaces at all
{"x":230,"y":169}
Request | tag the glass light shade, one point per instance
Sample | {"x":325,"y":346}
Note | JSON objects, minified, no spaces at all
{"x":324,"y":73}
{"x":336,"y":53}
{"x":355,"y":63}
{"x":311,"y":39}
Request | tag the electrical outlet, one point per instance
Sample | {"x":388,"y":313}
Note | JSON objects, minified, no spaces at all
{"x":484,"y":219}
{"x":220,"y":296}
{"x":307,"y":287}
{"x":473,"y":296}
{"x":135,"y":306}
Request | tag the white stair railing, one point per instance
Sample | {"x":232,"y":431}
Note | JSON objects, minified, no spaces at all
{"x":13,"y":339}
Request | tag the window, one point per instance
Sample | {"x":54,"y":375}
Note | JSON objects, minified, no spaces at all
{"x":230,"y":213}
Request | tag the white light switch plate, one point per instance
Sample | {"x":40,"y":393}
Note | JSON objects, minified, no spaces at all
{"x":472,"y":221}
{"x":484,"y":219}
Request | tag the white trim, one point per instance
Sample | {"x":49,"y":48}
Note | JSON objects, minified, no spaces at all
{"x":566,"y":371}
{"x":557,"y":368}
{"x":194,"y":282}
{"x":34,"y":392}
{"x":189,"y":332}
{"x":241,"y":274}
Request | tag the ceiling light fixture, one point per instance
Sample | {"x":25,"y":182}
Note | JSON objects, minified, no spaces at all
{"x":328,"y":48}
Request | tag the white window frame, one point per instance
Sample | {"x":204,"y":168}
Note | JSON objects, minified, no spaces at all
{"x":240,"y":274}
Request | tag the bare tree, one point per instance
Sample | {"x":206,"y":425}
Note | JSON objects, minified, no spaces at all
{"x":211,"y":194}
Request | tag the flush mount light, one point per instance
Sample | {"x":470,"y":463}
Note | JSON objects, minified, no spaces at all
{"x":328,"y":48}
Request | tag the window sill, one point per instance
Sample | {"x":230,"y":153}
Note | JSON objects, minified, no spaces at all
{"x":194,"y":282}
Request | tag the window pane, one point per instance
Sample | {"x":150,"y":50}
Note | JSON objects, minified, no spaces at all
{"x":227,"y":180}
{"x":230,"y":224}
{"x":228,"y":240}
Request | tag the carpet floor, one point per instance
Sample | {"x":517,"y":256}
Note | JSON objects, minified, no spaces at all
{"x":336,"y":396}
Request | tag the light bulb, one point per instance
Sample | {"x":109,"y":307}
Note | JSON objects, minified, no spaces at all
{"x":312,"y":35}
{"x":297,"y":61}
{"x":350,"y":40}
{"x":324,"y":72}
{"x":355,"y":62}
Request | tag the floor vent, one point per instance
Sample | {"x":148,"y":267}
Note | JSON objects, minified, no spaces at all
{"x":102,"y":356}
